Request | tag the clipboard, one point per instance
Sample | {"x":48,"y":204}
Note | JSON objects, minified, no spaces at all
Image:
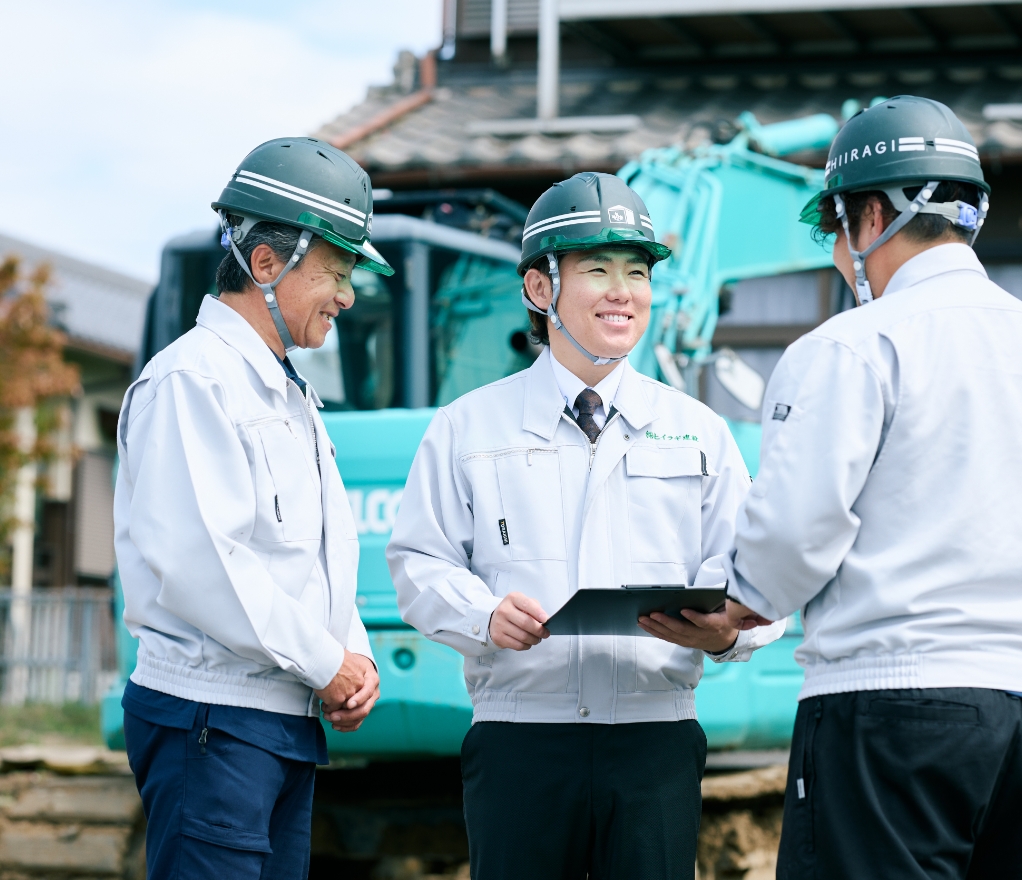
{"x":616,"y":612}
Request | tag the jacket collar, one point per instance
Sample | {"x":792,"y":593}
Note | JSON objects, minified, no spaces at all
{"x":544,"y":403}
{"x":932,"y":262}
{"x":631,"y":400}
{"x":233,"y":329}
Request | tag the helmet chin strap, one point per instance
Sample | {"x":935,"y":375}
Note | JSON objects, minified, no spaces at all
{"x":269,"y":290}
{"x":551,"y":313}
{"x":863,"y":292}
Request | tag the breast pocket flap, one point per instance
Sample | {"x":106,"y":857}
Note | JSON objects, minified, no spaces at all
{"x":681,"y":461}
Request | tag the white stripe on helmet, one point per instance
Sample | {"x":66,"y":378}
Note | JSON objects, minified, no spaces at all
{"x":950,"y":142}
{"x":943,"y":149}
{"x":908,"y":144}
{"x":549,"y":220}
{"x":301,"y":192}
{"x":296,"y":198}
{"x":538,"y":229}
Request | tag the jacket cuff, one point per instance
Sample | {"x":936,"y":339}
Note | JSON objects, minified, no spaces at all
{"x":739,"y":652}
{"x":477,"y":624}
{"x":326,"y":665}
{"x":358,"y":640}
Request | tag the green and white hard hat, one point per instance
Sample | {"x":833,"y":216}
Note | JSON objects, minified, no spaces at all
{"x":587,"y":211}
{"x":307,"y":184}
{"x":896,"y":144}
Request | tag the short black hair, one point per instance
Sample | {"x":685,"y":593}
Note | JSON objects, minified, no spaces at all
{"x":539,"y":331}
{"x":922,"y":228}
{"x":279,"y":237}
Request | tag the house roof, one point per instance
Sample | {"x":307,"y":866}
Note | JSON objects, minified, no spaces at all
{"x":102,"y":312}
{"x":446,"y":138}
{"x":664,"y":72}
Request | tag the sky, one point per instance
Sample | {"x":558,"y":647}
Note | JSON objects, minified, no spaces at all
{"x":121,"y":120}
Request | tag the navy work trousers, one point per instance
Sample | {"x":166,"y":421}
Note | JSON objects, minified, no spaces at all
{"x":571,"y":801}
{"x":222,"y":809}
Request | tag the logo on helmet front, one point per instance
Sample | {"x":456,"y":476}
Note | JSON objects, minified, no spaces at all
{"x":621,"y":214}
{"x":369,"y":225}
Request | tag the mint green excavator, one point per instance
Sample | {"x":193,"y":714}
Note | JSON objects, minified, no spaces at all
{"x":451,"y":319}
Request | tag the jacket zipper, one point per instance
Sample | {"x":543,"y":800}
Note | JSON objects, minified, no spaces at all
{"x":312,"y":423}
{"x":592,"y":446}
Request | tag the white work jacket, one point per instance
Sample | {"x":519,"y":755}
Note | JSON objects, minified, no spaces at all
{"x":888,"y":504}
{"x":225,"y":492}
{"x":507,"y":494}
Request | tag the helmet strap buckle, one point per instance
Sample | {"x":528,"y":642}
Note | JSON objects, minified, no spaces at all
{"x":863,"y":291}
{"x":555,"y":319}
{"x":269,"y":290}
{"x":551,"y":312}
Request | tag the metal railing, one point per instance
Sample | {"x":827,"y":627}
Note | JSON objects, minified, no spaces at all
{"x":57,"y":645}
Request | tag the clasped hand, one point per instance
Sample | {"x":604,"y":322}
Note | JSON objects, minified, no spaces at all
{"x":351,"y":694}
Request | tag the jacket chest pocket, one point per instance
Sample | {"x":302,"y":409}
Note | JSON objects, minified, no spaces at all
{"x":665,"y":492}
{"x":530,"y":498}
{"x":289,"y":504}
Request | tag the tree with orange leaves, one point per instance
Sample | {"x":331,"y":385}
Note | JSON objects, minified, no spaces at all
{"x":33,"y":376}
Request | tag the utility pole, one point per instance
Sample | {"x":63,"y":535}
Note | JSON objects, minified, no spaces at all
{"x":548,"y":73}
{"x":498,"y":31}
{"x":22,"y":546}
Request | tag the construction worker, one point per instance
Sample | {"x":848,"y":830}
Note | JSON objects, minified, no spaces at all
{"x":887,"y":510}
{"x":584,"y":757}
{"x":235,"y":543}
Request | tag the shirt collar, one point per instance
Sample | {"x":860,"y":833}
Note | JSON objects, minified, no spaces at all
{"x":570,"y":386}
{"x":290,"y":371}
{"x":544,"y":403}
{"x":934,"y":261}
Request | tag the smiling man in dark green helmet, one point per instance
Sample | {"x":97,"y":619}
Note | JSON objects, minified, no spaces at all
{"x":585,"y":757}
{"x":887,"y":509}
{"x":235,"y":544}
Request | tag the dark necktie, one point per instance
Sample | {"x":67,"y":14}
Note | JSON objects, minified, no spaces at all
{"x":587,"y":403}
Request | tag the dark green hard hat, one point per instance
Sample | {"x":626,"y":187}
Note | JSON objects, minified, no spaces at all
{"x":307,"y":183}
{"x":586,"y":211}
{"x":902,"y":141}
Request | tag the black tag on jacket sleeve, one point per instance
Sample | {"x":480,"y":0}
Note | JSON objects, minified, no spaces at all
{"x":781,"y":411}
{"x":503,"y":532}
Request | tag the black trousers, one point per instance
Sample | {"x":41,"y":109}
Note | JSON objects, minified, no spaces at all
{"x":905,"y":784}
{"x":563,"y":801}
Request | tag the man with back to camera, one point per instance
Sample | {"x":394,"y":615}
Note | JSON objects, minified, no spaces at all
{"x":236,"y":546}
{"x":584,"y":757}
{"x":887,"y":508}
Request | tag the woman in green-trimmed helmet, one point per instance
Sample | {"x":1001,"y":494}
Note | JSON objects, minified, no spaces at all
{"x":306,"y":185}
{"x":908,"y":164}
{"x":590,"y":216}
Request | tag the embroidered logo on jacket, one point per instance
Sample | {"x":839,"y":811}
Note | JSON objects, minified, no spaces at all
{"x":650,"y":435}
{"x":503,"y":531}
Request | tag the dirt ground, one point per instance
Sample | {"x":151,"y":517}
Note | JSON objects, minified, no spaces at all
{"x":72,"y":813}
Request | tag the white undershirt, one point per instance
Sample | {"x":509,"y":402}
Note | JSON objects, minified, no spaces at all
{"x":571,"y":386}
